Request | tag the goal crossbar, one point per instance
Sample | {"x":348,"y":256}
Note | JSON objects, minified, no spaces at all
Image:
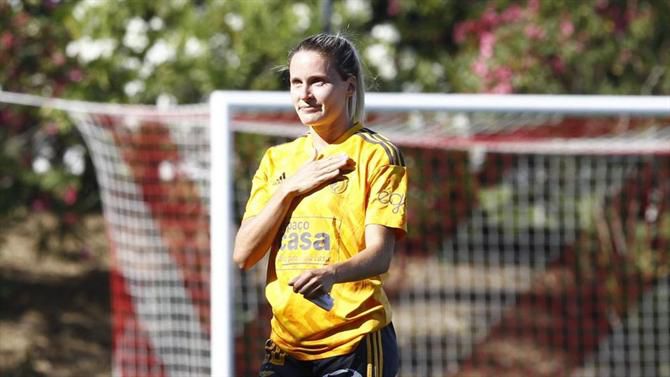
{"x":508,"y":103}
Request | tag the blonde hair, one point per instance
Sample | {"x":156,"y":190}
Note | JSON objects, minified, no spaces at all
{"x":344,"y":55}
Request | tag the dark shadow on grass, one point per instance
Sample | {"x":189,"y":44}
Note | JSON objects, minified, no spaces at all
{"x":65,"y":323}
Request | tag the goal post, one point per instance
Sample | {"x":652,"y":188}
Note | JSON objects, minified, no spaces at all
{"x":531,"y":129}
{"x":222,"y":107}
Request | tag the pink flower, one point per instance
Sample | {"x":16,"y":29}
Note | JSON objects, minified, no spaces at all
{"x":490,"y":18}
{"x":75,"y":75}
{"x":602,"y":4}
{"x":557,"y":65}
{"x":70,"y":196}
{"x":6,"y":40}
{"x":512,"y":14}
{"x":502,"y":74}
{"x":479,"y":68}
{"x":486,"y":42}
{"x":39,"y":205}
{"x":502,"y":88}
{"x":567,"y":28}
{"x":393,"y":8}
{"x":58,"y":58}
{"x":461,"y":30}
{"x":534,"y":32}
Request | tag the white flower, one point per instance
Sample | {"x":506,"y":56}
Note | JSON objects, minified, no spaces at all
{"x":133,"y":87}
{"x":412,"y":87}
{"x":160,"y":52}
{"x":81,"y":9}
{"x":234,"y":21}
{"x":232,"y":59}
{"x":165,"y":101}
{"x":131,"y":63}
{"x":407,"y":59}
{"x":74,"y":161}
{"x":358,"y":8}
{"x":336,"y":20}
{"x":386,"y":33}
{"x":72,"y":49}
{"x":146,"y":69}
{"x":461,"y":124}
{"x":376,"y":54}
{"x":41,"y":165}
{"x":88,"y":49}
{"x":477,"y":158}
{"x":380,"y":56}
{"x":156,"y":23}
{"x":132,"y":123}
{"x":387,"y":71}
{"x":136,"y":34}
{"x":218,"y":41}
{"x":166,"y":171}
{"x":303,"y":16}
{"x":193,"y":47}
{"x":437,"y":69}
{"x":16,"y":5}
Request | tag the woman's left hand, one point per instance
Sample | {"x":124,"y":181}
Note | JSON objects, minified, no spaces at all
{"x":314,"y":283}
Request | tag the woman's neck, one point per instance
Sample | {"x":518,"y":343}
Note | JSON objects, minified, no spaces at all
{"x":326,"y":135}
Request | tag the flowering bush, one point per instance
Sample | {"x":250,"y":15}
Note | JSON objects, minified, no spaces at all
{"x":585,"y":47}
{"x":175,"y":51}
{"x":43,"y":163}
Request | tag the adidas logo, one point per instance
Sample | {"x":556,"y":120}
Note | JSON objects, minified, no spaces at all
{"x":280,"y":179}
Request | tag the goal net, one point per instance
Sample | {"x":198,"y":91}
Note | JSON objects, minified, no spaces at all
{"x":539,"y":232}
{"x":538,"y":241}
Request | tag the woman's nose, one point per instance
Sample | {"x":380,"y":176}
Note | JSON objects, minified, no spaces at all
{"x":305,"y":92}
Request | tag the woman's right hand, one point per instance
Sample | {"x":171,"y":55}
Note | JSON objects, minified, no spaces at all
{"x":316,"y":173}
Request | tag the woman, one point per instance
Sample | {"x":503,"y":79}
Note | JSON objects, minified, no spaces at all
{"x":329,"y":207}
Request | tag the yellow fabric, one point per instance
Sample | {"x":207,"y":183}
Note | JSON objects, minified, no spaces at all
{"x":326,"y":227}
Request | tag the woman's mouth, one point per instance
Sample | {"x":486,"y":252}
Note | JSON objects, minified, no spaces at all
{"x":311,"y":109}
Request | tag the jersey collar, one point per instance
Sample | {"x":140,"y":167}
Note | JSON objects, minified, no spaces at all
{"x":350,"y":131}
{"x":341,"y":139}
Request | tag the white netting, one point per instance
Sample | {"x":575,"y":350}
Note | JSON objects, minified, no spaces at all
{"x":538,"y":241}
{"x":152,"y":169}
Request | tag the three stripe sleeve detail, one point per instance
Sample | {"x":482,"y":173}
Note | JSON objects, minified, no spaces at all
{"x":391,"y":150}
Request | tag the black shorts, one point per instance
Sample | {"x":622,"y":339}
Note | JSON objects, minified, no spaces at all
{"x":375,"y":356}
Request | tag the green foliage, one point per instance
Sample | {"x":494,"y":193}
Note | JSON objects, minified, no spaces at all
{"x":43,"y":165}
{"x":133,"y":51}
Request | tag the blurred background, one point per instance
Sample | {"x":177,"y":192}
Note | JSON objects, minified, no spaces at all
{"x":54,"y":261}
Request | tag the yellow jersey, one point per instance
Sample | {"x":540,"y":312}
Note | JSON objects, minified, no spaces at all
{"x":328,"y":226}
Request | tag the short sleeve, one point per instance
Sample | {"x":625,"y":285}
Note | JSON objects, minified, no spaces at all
{"x":260,"y":188}
{"x":387,"y":202}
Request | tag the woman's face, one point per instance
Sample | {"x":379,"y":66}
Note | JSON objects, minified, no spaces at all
{"x":318,"y":93}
